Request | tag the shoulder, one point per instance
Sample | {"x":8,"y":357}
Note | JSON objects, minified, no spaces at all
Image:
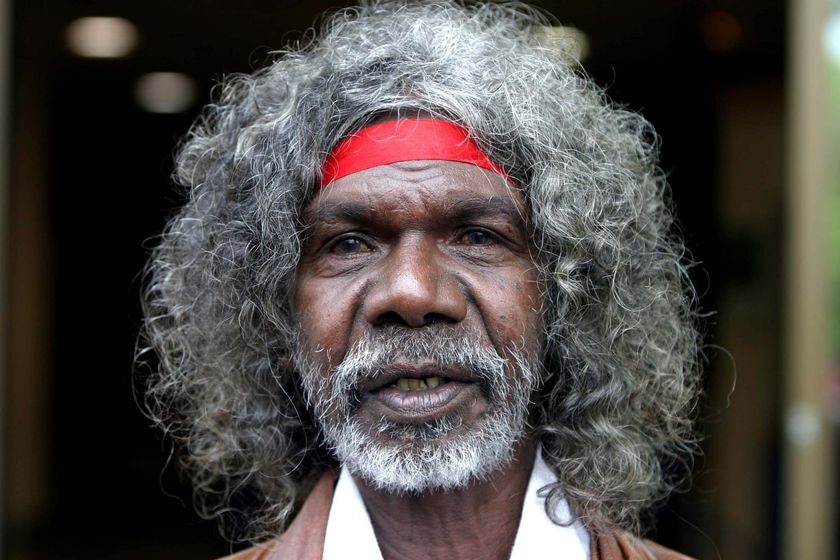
{"x":624,"y":546}
{"x":262,"y":551}
{"x":304,"y":538}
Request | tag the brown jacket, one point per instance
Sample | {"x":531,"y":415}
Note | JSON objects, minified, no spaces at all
{"x":304,"y":539}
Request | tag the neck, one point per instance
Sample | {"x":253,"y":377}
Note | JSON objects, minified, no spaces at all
{"x":477,"y":522}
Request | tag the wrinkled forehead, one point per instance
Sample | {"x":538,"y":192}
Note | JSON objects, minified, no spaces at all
{"x":427,"y":191}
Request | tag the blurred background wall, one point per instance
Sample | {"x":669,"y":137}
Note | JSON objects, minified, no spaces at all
{"x":739,"y":90}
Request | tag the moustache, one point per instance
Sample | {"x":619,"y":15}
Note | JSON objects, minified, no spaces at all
{"x":391,"y":351}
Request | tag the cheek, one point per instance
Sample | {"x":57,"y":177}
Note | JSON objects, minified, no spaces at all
{"x":515,"y":315}
{"x":324,"y":318}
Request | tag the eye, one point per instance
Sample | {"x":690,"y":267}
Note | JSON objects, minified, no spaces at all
{"x":478,"y":237}
{"x":350,"y":246}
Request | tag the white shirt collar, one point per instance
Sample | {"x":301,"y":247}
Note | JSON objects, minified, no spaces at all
{"x":350,"y":532}
{"x":538,"y":537}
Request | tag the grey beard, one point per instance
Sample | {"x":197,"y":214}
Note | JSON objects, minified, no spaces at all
{"x":414,"y":458}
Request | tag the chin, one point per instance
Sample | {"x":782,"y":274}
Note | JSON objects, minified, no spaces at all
{"x":430,"y":457}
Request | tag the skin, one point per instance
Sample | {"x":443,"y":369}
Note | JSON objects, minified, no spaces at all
{"x":413,"y":244}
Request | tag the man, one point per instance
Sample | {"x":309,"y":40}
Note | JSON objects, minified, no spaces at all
{"x":423,"y":300}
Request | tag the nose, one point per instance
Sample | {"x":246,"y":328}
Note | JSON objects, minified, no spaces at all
{"x":414,"y":287}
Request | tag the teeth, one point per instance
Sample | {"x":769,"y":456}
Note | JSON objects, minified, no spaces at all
{"x":412,"y":384}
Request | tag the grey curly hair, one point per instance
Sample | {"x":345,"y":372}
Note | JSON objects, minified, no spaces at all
{"x":619,"y":319}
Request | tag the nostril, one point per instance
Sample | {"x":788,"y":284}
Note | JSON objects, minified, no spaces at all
{"x":438,"y":318}
{"x":391,"y":318}
{"x":395,"y":318}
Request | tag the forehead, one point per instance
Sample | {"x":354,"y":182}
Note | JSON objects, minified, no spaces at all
{"x":425,"y":185}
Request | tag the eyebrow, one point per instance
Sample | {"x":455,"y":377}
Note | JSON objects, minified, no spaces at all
{"x":465,"y":209}
{"x":330,"y":212}
{"x":456,"y":210}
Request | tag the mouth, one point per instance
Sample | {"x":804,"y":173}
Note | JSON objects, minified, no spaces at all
{"x":415,"y":377}
{"x":415,"y":395}
{"x":422,"y":384}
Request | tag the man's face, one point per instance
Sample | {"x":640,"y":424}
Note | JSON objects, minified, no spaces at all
{"x":418,"y":307}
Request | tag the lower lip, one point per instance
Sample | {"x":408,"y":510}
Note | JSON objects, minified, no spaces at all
{"x":427,"y":404}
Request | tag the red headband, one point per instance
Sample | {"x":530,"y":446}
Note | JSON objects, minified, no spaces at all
{"x":404,"y":140}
